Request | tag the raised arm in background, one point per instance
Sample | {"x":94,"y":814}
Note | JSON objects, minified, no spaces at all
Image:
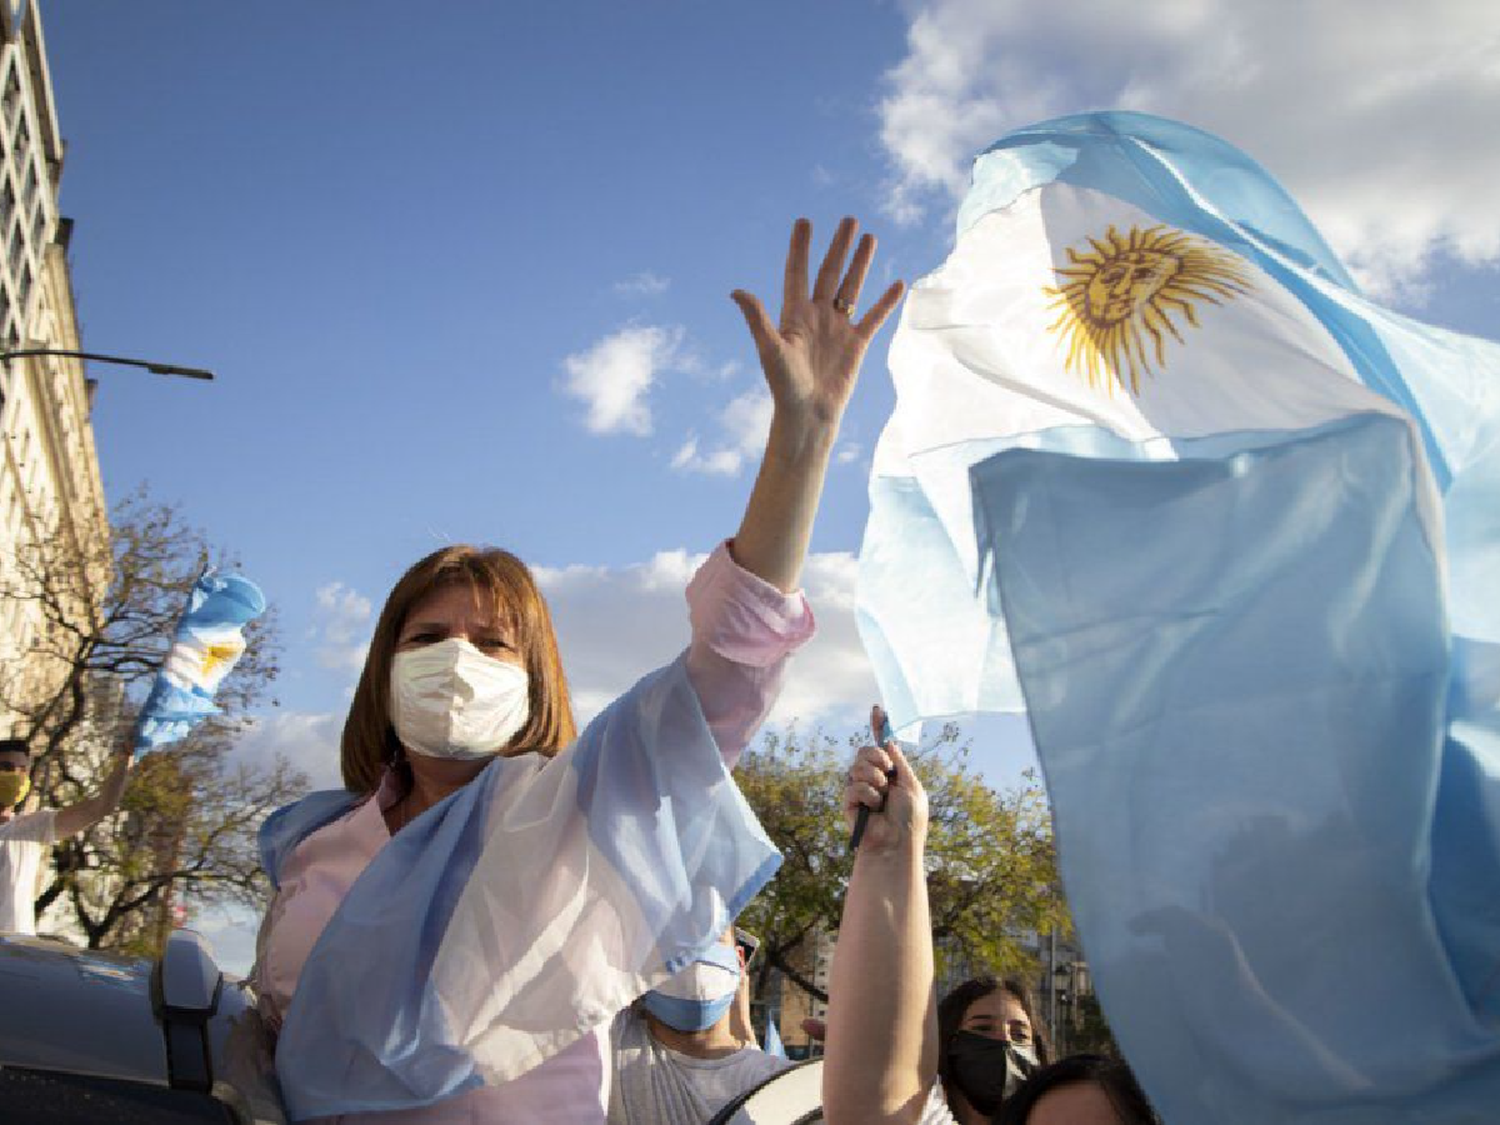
{"x":83,"y":814}
{"x":881,"y":1053}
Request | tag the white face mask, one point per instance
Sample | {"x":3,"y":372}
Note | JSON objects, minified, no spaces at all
{"x":699,"y":995}
{"x":449,"y":700}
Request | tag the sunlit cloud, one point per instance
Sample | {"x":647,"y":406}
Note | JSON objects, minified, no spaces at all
{"x":643,"y":284}
{"x":743,"y":426}
{"x":1378,"y":119}
{"x":614,"y":376}
{"x":341,"y":626}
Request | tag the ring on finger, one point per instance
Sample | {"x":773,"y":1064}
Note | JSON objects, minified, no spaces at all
{"x":844,"y":306}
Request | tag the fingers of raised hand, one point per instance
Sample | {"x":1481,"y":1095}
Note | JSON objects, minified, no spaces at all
{"x":858,"y":793}
{"x":870,"y":323}
{"x":847,"y":296}
{"x":796,"y":264}
{"x":867,"y":778}
{"x":834,"y":286}
{"x":762,"y":328}
{"x":827,"y":285}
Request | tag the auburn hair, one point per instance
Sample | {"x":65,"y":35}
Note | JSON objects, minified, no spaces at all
{"x":499,"y":578}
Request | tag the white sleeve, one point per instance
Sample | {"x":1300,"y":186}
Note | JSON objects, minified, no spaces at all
{"x":33,"y":828}
{"x":936,"y":1111}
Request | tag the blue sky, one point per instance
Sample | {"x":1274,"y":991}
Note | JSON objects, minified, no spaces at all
{"x":463,"y":268}
{"x":389,"y":233}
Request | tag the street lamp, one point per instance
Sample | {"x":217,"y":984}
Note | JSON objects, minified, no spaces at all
{"x":158,"y":368}
{"x":1062,"y":992}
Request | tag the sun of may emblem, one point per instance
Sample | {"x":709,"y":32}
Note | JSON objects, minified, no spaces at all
{"x":1117,"y":301}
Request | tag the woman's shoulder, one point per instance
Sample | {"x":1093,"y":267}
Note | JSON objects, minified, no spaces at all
{"x":288,"y":826}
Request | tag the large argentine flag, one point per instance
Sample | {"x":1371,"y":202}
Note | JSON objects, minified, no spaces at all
{"x":520,"y":913}
{"x":1230,"y":534}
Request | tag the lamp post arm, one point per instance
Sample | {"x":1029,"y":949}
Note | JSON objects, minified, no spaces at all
{"x":158,"y":368}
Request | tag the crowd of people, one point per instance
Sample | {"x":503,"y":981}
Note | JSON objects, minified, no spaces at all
{"x":464,"y":684}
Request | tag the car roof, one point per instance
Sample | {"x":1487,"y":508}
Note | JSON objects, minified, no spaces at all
{"x":176,"y":1022}
{"x":78,"y":1010}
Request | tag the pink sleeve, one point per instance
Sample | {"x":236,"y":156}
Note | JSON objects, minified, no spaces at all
{"x":744,"y":629}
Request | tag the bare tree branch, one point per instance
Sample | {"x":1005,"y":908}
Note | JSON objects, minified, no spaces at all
{"x":186,"y":832}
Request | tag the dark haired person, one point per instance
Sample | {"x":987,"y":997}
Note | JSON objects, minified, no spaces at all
{"x":989,"y":1041}
{"x":24,"y":836}
{"x":1079,"y":1090}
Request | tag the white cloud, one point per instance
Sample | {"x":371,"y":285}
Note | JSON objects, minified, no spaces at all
{"x":308,"y":740}
{"x":613,"y":377}
{"x":616,"y":625}
{"x":744,"y":425}
{"x":230,"y":931}
{"x":643,"y":284}
{"x":1376,"y":115}
{"x":342,"y":627}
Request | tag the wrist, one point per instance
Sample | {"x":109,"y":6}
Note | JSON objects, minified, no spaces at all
{"x":894,"y":855}
{"x":799,"y":434}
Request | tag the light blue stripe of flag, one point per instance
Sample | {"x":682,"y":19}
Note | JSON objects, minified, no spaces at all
{"x":218,"y":609}
{"x":1262,"y":671}
{"x":1243,"y":750}
{"x":673,"y":853}
{"x":773,"y":1044}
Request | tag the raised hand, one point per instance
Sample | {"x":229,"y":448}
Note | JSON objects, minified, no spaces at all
{"x":903,"y":820}
{"x":811,"y":357}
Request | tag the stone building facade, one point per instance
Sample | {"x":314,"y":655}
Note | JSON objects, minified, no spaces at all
{"x":51,"y":492}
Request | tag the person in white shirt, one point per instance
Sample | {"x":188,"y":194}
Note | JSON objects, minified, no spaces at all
{"x":24,"y":836}
{"x":684,"y":1051}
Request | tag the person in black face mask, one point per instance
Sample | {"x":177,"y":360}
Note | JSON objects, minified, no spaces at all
{"x":886,"y":1042}
{"x":989,"y":1042}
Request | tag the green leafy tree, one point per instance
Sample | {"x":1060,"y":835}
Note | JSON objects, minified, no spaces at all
{"x":1089,"y":1031}
{"x":103,"y":614}
{"x":794,"y":782}
{"x":991,"y":861}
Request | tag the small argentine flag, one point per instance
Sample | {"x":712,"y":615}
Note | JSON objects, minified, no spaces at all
{"x":1229,"y":533}
{"x":209,"y":641}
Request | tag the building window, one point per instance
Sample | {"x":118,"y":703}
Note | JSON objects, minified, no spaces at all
{"x":21,"y":138}
{"x":12,"y":94}
{"x":16,"y":251}
{"x":28,"y":184}
{"x":39,"y":228}
{"x":7,"y":203}
{"x":25,"y":286}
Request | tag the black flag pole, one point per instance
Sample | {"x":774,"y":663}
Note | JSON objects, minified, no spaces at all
{"x":880,"y":727}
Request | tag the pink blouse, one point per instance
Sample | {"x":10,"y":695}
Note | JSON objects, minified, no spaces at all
{"x":743,"y":631}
